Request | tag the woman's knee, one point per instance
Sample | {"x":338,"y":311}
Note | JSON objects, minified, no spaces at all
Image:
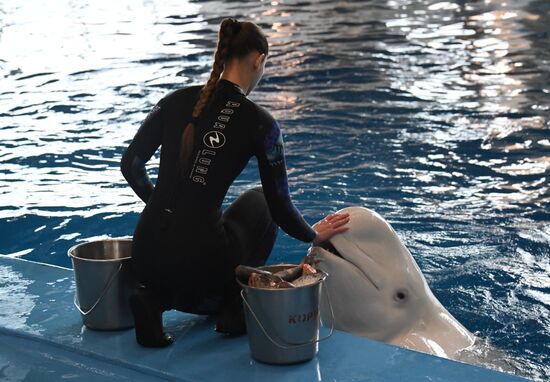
{"x":255,"y":193}
{"x":257,"y":189}
{"x":252,"y":199}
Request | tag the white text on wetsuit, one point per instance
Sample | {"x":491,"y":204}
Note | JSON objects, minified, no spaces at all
{"x":212,"y":141}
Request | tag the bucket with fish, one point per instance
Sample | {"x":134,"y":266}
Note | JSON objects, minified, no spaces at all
{"x":281,"y":304}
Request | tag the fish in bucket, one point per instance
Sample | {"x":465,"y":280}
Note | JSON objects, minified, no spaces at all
{"x":282,"y":317}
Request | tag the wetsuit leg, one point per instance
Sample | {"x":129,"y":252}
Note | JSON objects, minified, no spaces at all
{"x":147,"y":312}
{"x":251,"y":229}
{"x":253,"y":232}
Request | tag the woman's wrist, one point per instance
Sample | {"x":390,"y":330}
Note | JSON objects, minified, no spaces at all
{"x":315,"y":240}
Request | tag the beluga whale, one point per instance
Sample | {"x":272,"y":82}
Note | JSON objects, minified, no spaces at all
{"x":377,"y":290}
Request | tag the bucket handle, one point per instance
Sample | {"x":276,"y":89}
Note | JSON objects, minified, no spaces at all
{"x":107,"y":286}
{"x":292,"y":346}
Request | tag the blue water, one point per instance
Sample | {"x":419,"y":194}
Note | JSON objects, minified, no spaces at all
{"x":435,"y":114}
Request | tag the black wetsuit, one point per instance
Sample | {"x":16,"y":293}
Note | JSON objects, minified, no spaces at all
{"x":183,"y":244}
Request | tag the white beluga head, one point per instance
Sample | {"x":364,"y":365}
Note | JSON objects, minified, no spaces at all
{"x":377,"y":290}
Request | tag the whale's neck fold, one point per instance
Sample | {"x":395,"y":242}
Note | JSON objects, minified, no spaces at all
{"x":437,"y":333}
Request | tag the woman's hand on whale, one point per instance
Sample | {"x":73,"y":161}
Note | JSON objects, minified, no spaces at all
{"x":330,"y":226}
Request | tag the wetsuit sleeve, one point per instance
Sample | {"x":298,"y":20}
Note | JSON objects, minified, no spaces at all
{"x":271,"y":162}
{"x":141,"y":149}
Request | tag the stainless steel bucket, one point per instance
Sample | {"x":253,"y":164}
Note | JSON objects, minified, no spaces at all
{"x":104,"y":282}
{"x":283,"y":324}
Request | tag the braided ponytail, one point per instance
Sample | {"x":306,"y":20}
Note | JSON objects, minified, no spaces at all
{"x":235,"y":39}
{"x":228,"y":28}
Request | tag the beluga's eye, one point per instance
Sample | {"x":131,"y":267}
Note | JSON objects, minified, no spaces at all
{"x":401,"y":295}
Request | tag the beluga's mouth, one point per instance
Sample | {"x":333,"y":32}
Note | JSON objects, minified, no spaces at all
{"x":360,"y":260}
{"x":329,"y":247}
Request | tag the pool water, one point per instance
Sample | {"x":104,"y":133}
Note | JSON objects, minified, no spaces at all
{"x":434,"y":114}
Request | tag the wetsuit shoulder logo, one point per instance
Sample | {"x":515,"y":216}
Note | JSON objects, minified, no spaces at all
{"x":214,"y":139}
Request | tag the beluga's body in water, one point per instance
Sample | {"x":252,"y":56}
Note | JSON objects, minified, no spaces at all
{"x":378,"y":291}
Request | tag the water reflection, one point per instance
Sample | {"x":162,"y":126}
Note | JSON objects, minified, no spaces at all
{"x":17,"y":303}
{"x":473,"y":59}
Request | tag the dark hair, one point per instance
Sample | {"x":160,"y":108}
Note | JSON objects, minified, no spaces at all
{"x":235,"y":40}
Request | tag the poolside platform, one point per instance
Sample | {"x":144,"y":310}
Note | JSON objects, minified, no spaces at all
{"x":42,"y":339}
